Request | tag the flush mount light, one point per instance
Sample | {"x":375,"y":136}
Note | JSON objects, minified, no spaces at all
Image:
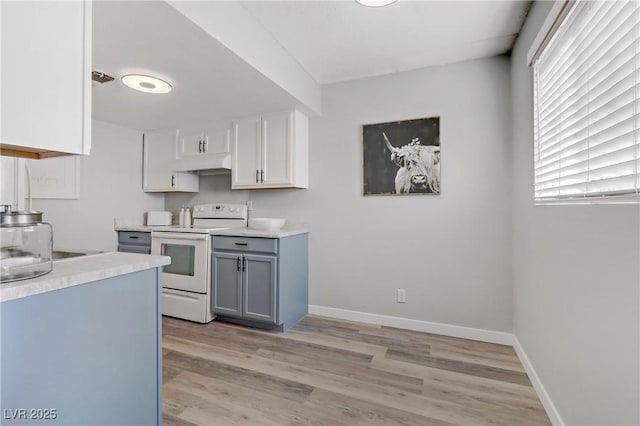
{"x":375,"y":3}
{"x":147,"y":84}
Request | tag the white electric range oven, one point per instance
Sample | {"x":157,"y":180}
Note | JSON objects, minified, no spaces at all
{"x":186,"y":282}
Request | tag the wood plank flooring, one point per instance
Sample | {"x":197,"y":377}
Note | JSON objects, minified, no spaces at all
{"x":330,"y":372}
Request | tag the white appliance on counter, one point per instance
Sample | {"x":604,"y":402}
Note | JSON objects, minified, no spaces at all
{"x":186,"y":282}
{"x":161,"y":218}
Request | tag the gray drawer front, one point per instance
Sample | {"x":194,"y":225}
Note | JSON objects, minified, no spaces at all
{"x":131,"y":237}
{"x":264,"y":245}
{"x":133,"y":248}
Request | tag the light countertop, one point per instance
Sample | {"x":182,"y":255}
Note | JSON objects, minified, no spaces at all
{"x":235,"y":232}
{"x":80,"y":270}
{"x":246,"y":232}
{"x":136,"y":228}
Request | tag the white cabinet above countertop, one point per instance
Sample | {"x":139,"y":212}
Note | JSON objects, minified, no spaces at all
{"x":158,"y":159}
{"x":265,"y":151}
{"x":270,"y":151}
{"x":203,"y":148}
{"x":46,"y":78}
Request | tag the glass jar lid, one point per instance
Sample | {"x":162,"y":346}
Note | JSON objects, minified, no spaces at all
{"x":9,"y":218}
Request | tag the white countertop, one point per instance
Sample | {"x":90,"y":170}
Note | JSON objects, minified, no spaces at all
{"x":136,"y":228}
{"x":246,"y":232}
{"x":80,"y":270}
{"x":235,"y":232}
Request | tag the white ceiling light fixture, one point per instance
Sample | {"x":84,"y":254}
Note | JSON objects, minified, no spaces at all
{"x":146,"y":83}
{"x":375,"y":3}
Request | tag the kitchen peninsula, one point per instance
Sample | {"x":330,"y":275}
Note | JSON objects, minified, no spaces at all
{"x":82,"y":344}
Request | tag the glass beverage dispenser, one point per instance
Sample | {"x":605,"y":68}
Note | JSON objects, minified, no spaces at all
{"x":25,"y":245}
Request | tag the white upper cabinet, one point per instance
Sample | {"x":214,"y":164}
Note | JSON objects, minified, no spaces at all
{"x":157,"y":165}
{"x":45,"y":78}
{"x":270,"y":151}
{"x":204,"y":148}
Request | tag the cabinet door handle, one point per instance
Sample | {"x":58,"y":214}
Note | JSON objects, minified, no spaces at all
{"x":133,"y":237}
{"x":238,"y":263}
{"x":199,"y":146}
{"x":257,"y":176}
{"x":244,"y":264}
{"x":262,"y":176}
{"x":241,"y":244}
{"x":204,"y":145}
{"x":173,"y":181}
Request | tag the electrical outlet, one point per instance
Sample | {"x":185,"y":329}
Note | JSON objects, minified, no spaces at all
{"x":249,"y":205}
{"x":402,"y":295}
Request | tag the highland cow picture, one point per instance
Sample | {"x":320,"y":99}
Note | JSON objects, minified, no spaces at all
{"x":402,"y":157}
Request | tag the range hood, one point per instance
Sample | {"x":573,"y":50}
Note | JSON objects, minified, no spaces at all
{"x":205,"y":164}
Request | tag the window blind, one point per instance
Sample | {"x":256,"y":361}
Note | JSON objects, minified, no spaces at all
{"x":587,"y":104}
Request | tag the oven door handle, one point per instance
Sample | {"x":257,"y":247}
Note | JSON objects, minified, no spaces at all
{"x":168,"y":236}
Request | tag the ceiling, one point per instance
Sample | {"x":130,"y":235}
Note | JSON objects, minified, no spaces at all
{"x":151,"y":37}
{"x":331,"y":40}
{"x":342,"y":40}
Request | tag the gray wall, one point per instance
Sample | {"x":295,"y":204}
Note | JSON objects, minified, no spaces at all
{"x":576,"y":278}
{"x":110,"y":186}
{"x":451,"y":252}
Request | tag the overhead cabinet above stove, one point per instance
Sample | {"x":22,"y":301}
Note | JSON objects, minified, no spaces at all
{"x":204,"y":148}
{"x":173,"y":156}
{"x":270,"y":151}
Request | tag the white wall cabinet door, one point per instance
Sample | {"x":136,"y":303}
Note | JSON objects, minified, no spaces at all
{"x":157,"y":165}
{"x":277,"y":148}
{"x":46,"y":78}
{"x":270,"y":151}
{"x":217,"y":140}
{"x":190,"y":144}
{"x":245,"y":153}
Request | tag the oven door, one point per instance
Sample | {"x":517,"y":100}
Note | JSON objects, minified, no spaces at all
{"x":189,"y":260}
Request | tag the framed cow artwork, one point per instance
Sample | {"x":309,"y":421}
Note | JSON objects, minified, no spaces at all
{"x":402,"y":157}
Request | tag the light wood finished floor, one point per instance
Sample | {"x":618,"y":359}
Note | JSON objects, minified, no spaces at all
{"x":329,"y":372}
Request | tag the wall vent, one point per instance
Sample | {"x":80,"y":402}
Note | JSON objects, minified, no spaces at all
{"x":100,"y":77}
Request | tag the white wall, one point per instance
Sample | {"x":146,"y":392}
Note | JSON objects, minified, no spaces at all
{"x":451,"y":252}
{"x":110,"y":186}
{"x":576,"y":281}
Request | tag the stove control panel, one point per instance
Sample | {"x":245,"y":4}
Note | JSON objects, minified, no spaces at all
{"x":220,"y":211}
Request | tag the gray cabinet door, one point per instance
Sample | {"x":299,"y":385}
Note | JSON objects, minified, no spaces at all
{"x":259,"y":287}
{"x":227,"y":284}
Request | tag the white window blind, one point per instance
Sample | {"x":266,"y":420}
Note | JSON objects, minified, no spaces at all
{"x":587,"y":104}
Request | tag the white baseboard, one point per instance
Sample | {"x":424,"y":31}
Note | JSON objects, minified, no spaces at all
{"x":415,"y":325}
{"x":547,"y":403}
{"x":479,"y":334}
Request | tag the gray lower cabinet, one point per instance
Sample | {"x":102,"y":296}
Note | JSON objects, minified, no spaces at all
{"x":245,"y":285}
{"x":134,"y":242}
{"x":88,"y":355}
{"x":260,"y":281}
